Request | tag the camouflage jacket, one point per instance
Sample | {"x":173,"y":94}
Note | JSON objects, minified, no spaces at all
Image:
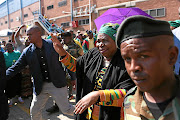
{"x":74,"y":49}
{"x":135,"y":108}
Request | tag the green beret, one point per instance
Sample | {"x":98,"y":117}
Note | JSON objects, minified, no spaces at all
{"x":140,"y":26}
{"x":174,"y":24}
{"x":109,"y":29}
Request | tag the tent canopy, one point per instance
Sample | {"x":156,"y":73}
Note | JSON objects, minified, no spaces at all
{"x":6,"y":33}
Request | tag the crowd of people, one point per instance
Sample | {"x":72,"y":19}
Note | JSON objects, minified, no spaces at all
{"x":125,"y":71}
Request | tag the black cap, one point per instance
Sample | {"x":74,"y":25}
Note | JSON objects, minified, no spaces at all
{"x":89,"y":31}
{"x":140,"y":26}
{"x":66,"y":34}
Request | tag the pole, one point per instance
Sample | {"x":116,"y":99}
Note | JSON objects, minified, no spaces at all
{"x":7,"y":13}
{"x":21,"y":12}
{"x":39,"y":6}
{"x":71,"y":10}
{"x":89,"y":14}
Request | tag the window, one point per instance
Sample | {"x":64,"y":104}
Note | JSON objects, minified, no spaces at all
{"x":35,"y":12}
{"x":160,"y":12}
{"x":5,"y":22}
{"x":75,"y":0}
{"x":87,"y":21}
{"x":25,"y":15}
{"x":11,"y":20}
{"x":84,"y":22}
{"x":50,"y":7}
{"x":62,"y":3}
{"x":1,"y":23}
{"x":66,"y":24}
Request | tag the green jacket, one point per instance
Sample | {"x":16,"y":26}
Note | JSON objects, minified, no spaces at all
{"x":85,"y":44}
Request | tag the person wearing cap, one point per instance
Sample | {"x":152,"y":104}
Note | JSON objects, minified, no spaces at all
{"x":84,"y":35}
{"x":101,"y":68}
{"x":72,"y":33}
{"x":3,"y":45}
{"x":70,"y":46}
{"x":89,"y":42}
{"x":76,"y":51}
{"x":148,"y":50}
{"x":78,"y":31}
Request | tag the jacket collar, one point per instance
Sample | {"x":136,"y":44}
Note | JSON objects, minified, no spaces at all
{"x":142,"y":109}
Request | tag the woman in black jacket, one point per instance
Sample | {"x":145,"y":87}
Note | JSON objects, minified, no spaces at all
{"x":100,"y":68}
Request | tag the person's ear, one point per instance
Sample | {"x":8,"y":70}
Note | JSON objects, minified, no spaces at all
{"x":39,"y":32}
{"x":173,"y":55}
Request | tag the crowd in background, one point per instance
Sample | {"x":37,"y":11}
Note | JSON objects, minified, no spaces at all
{"x":20,"y":86}
{"x":92,"y":64}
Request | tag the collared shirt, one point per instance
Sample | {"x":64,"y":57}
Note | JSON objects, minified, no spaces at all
{"x":43,"y":63}
{"x":135,"y":108}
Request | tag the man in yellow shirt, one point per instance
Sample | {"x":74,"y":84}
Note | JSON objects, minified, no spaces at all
{"x":89,"y":42}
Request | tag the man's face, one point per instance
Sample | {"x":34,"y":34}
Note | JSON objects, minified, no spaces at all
{"x":80,"y":36}
{"x":9,"y":48}
{"x":4,"y":43}
{"x":90,"y":35}
{"x":33,"y":35}
{"x":146,"y":61}
{"x":67,"y":40}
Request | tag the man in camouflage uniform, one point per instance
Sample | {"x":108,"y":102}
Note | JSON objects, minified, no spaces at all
{"x":76,"y":51}
{"x":149,"y":53}
{"x":70,"y":46}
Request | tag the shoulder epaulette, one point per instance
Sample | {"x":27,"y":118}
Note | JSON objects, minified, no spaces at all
{"x":130,"y":92}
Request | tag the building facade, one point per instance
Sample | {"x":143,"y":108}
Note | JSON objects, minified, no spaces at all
{"x":17,"y":12}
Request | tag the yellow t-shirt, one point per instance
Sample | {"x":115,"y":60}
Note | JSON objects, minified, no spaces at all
{"x":91,"y":43}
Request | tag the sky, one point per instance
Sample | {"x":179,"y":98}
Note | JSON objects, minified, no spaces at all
{"x":1,"y":1}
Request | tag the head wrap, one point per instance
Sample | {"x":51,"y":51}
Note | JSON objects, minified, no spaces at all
{"x":139,"y":27}
{"x":109,"y":29}
{"x":174,"y":23}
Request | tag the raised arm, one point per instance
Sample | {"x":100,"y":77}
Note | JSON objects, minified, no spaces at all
{"x":16,"y":36}
{"x":67,"y":59}
{"x":58,"y":46}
